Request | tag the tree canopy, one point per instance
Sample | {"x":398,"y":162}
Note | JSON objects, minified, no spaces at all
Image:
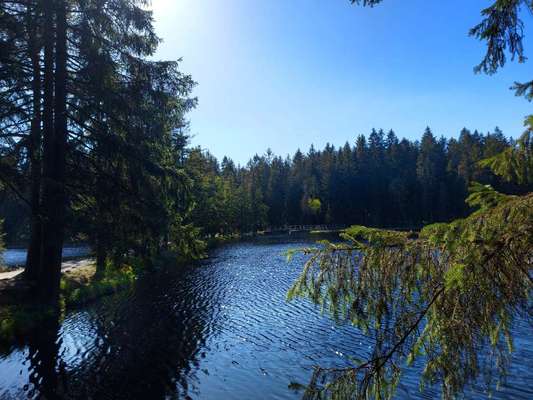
{"x":92,"y":131}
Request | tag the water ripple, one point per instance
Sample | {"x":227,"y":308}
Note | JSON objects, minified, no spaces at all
{"x":221,"y":329}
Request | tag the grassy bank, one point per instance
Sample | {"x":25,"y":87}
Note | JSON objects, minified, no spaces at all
{"x":79,"y":286}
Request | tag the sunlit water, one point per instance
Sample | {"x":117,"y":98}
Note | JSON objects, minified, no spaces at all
{"x":17,"y":257}
{"x":218,"y":330}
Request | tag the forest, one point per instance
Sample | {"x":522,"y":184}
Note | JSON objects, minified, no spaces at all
{"x":380,"y":181}
{"x":95,"y":148}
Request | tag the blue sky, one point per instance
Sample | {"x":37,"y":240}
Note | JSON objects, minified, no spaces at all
{"x":283,"y":74}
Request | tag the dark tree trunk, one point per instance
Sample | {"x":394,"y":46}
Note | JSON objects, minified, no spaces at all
{"x":102,"y":234}
{"x":102,"y":194}
{"x":48,"y":138}
{"x":34,"y":249}
{"x":54,"y":199}
{"x":101,"y":256}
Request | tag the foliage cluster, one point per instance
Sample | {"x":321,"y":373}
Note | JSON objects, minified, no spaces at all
{"x":448,"y":297}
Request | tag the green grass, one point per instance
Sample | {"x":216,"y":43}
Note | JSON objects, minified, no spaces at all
{"x":83,"y":286}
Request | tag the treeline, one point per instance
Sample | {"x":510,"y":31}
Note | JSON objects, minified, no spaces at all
{"x":378,"y":180}
{"x":90,"y":138}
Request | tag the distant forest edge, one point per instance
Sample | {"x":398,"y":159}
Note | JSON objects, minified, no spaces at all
{"x":378,"y":180}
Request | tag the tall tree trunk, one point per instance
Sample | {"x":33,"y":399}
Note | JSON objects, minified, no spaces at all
{"x":101,"y":198}
{"x":54,"y":199}
{"x":34,"y":249}
{"x":61,"y":133}
{"x":48,"y":138}
{"x":102,"y":225}
{"x":102,"y":228}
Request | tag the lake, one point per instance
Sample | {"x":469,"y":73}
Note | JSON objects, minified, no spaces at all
{"x":17,"y":257}
{"x":218,"y":330}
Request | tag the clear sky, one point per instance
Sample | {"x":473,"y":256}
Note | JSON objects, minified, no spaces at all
{"x":288,"y":73}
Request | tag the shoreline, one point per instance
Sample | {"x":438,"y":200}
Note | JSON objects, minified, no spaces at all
{"x":66,"y":266}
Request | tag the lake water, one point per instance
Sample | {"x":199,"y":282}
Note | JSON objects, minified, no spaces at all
{"x":17,"y":257}
{"x":218,"y":330}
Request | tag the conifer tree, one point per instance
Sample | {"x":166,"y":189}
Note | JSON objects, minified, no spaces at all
{"x":414,"y":295}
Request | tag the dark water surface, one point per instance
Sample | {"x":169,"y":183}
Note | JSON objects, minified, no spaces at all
{"x":219,"y":330}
